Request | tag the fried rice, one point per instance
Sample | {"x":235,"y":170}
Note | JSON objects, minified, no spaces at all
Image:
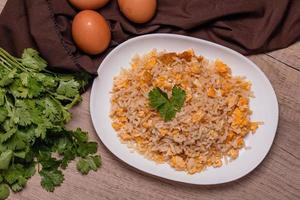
{"x":208,"y":130}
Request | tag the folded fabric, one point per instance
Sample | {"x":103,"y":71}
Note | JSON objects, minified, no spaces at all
{"x":246,"y":26}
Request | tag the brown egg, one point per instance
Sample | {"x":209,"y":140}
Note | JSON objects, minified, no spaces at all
{"x":138,"y":11}
{"x":88,"y":4}
{"x":91,"y":32}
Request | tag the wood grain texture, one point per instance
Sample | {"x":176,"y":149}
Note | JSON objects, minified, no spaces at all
{"x":278,"y":177}
{"x":290,"y":56}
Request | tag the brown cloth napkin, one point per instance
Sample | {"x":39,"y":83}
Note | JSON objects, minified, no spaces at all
{"x":246,"y":26}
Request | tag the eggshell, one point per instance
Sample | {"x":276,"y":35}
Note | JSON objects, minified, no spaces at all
{"x":138,"y":11}
{"x":88,"y":4}
{"x":91,"y":32}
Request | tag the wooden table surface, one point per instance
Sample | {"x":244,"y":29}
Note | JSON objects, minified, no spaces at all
{"x":278,"y":177}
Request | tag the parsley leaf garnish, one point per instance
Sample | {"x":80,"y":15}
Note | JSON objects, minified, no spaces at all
{"x":166,"y":107}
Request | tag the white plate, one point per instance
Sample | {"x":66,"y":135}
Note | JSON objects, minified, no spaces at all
{"x":264,"y":106}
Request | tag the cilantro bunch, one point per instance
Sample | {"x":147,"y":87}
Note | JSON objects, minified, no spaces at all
{"x":34,"y":108}
{"x":166,"y":107}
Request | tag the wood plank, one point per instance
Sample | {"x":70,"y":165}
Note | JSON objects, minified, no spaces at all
{"x":278,"y":177}
{"x":289,"y":56}
{"x":285,"y":81}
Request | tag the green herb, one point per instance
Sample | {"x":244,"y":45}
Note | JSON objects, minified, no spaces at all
{"x":34,"y":108}
{"x":4,"y":191}
{"x":51,"y":179}
{"x":89,"y":163}
{"x":167,"y":107}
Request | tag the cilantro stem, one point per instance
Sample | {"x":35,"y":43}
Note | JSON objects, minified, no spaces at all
{"x":12,"y":60}
{"x":76,"y":99}
{"x":39,"y":167}
{"x":49,"y":72}
{"x":53,"y":95}
{"x":9,"y":59}
{"x":9,"y":104}
{"x":19,"y":61}
{"x":4,"y":64}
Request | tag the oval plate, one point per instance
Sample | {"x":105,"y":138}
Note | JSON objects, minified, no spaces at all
{"x":264,"y":107}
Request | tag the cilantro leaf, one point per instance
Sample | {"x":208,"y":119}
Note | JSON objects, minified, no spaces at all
{"x":89,"y":163}
{"x":82,"y":78}
{"x":157,"y":98}
{"x":34,"y":87}
{"x":40,"y":131}
{"x":17,"y":175}
{"x":166,"y":107}
{"x":8,"y":124}
{"x":62,"y":144}
{"x":18,"y":90}
{"x":85,"y":149}
{"x":5,"y":136}
{"x":45,"y":80}
{"x":178,"y":98}
{"x":22,"y":114}
{"x":66,"y":116}
{"x":17,"y":141}
{"x":51,"y":179}
{"x":2,"y":97}
{"x":19,"y":184}
{"x":83,"y":166}
{"x":21,"y":154}
{"x":46,"y":160}
{"x":68,"y":88}
{"x":7,"y":77}
{"x":31,"y":59}
{"x":5,"y":158}
{"x":4,"y":191}
{"x":52,"y":110}
{"x":80,"y":135}
{"x":68,"y":156}
{"x":3,"y":114}
{"x":167,"y":111}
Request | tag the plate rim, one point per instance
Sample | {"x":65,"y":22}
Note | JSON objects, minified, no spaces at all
{"x":167,"y":35}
